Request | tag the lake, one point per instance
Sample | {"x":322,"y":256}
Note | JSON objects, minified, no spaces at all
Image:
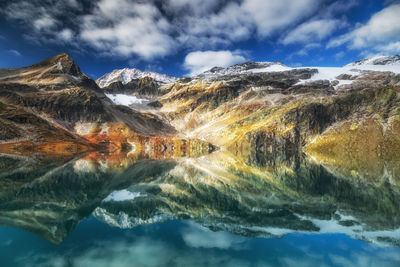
{"x":215,"y":209}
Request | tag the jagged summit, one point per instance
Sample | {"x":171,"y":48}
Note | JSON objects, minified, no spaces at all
{"x":126,"y":75}
{"x":62,"y":62}
{"x":66,"y":65}
{"x":378,"y":60}
{"x":58,"y":70}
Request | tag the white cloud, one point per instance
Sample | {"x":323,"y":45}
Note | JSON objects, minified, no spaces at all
{"x":380,"y":32}
{"x":66,"y":35}
{"x":237,"y":21}
{"x":124,"y":28}
{"x":45,"y":22}
{"x":230,"y":24}
{"x":200,"y":61}
{"x":310,"y":31}
{"x":339,"y":55}
{"x":197,"y":7}
{"x":151,"y":29}
{"x":146,"y":30}
{"x":15,"y":52}
{"x":270,"y":16}
{"x":304,"y":51}
{"x":43,"y":19}
{"x":392,"y":47}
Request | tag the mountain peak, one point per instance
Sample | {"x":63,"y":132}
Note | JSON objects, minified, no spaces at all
{"x":378,"y":60}
{"x":63,"y":63}
{"x":128,"y":74}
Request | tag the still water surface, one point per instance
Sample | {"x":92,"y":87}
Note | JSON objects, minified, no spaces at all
{"x":213,"y":210}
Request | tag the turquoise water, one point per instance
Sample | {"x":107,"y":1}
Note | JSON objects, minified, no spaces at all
{"x":216,"y":210}
{"x":186,"y":243}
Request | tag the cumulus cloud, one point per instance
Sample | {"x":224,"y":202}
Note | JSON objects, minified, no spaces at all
{"x":392,"y":47}
{"x":310,"y":31}
{"x":147,"y":30}
{"x":269,"y":16}
{"x":381,"y":32}
{"x":239,"y":20}
{"x":47,"y":20}
{"x":153,"y":29}
{"x":123,"y":27}
{"x":200,"y":61}
{"x":66,"y":35}
{"x":305,"y":50}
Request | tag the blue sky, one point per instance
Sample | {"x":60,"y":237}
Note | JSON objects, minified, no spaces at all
{"x":179,"y":37}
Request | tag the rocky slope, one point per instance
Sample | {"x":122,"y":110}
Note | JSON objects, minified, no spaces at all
{"x":260,"y":107}
{"x":53,"y":101}
{"x":251,"y":107}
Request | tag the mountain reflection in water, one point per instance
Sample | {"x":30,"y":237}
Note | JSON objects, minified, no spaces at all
{"x":252,"y":195}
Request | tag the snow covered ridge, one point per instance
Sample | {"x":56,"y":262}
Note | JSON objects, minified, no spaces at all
{"x":355,"y":69}
{"x":247,"y":67}
{"x":377,"y":63}
{"x":377,"y":60}
{"x":126,"y":75}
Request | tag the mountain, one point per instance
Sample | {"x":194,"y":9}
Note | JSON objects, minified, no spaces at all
{"x":126,"y":75}
{"x":54,"y":102}
{"x":325,"y":111}
{"x":243,"y":68}
{"x":134,"y":82}
{"x":254,"y":106}
{"x":257,"y":149}
{"x":146,"y":87}
{"x":378,"y":60}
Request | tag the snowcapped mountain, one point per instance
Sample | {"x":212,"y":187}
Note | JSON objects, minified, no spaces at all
{"x":335,"y":75}
{"x":377,"y":60}
{"x":126,"y":75}
{"x":247,"y":67}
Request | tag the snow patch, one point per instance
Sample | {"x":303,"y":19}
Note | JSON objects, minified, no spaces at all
{"x":272,"y":68}
{"x":331,"y":73}
{"x":126,"y":100}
